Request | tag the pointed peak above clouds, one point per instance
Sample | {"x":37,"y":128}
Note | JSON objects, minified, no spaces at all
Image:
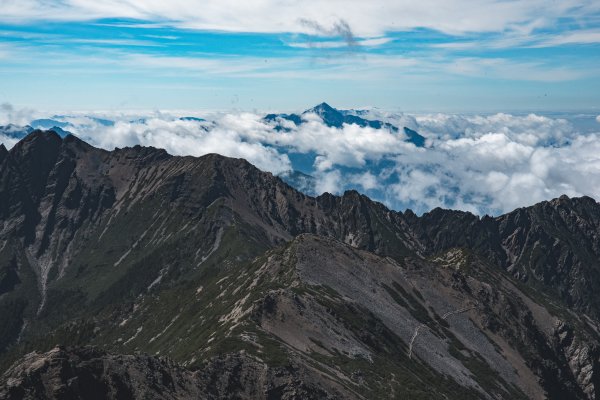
{"x":323,"y":109}
{"x":329,"y":115}
{"x":334,"y":118}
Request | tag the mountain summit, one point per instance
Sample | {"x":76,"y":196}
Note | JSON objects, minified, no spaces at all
{"x":183,"y":277}
{"x":337,"y":118}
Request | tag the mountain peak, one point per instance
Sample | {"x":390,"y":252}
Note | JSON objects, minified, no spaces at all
{"x":74,"y":142}
{"x":331,"y":117}
{"x":571,"y":202}
{"x":38,"y":145}
{"x":322,"y":108}
{"x":41,"y":135}
{"x":144,"y":154}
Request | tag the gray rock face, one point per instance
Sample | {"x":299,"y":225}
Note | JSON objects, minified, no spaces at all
{"x":581,"y":356}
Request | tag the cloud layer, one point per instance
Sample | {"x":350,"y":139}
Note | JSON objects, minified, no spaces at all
{"x":480,"y":163}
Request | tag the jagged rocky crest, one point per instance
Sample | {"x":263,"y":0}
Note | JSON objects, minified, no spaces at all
{"x":89,"y":373}
{"x":256,"y":290}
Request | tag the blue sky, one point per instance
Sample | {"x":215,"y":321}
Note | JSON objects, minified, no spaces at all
{"x":495,"y":55}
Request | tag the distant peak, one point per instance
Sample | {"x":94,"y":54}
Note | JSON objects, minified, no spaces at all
{"x":322,"y":108}
{"x":324,"y":105}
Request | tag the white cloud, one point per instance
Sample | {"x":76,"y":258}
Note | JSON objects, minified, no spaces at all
{"x":598,"y":119}
{"x":365,"y":19}
{"x":12,"y":115}
{"x":496,"y":163}
{"x":366,"y":180}
{"x":8,"y":142}
{"x":329,"y":182}
{"x":350,"y":146}
{"x":530,"y":129}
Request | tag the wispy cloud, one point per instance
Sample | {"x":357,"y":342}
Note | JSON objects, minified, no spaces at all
{"x":330,"y":44}
{"x":340,"y":29}
{"x":14,"y":115}
{"x":576,"y":37}
{"x":361,"y":67}
{"x":363,"y":19}
{"x":502,"y":68}
{"x":517,"y":40}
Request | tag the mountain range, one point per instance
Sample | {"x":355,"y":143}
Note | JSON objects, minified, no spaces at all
{"x":136,"y":274}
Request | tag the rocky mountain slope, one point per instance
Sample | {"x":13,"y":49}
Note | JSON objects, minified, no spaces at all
{"x":208,"y":277}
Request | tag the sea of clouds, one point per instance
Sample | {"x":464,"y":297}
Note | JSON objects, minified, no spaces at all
{"x":486,"y":164}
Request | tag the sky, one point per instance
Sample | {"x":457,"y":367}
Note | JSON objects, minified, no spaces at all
{"x":416,"y":56}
